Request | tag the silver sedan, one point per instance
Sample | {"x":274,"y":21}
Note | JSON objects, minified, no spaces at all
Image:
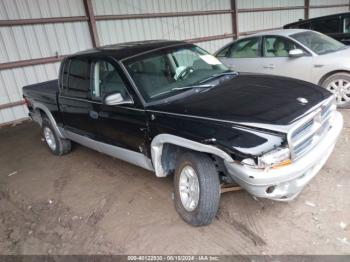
{"x":297,"y":53}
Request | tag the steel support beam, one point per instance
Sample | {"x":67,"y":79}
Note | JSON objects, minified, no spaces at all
{"x":92,"y":23}
{"x":38,"y":21}
{"x":31,"y":62}
{"x":328,"y":6}
{"x":234,"y":18}
{"x":307,"y":9}
{"x":160,"y":15}
{"x":267,"y":9}
{"x":12,"y":104}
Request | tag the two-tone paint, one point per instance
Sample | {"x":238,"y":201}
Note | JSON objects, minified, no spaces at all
{"x":240,"y":118}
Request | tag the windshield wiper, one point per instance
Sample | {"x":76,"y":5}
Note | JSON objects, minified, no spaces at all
{"x":191,"y":87}
{"x":219,"y":75}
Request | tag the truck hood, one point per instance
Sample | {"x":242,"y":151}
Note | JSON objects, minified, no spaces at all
{"x":248,"y":98}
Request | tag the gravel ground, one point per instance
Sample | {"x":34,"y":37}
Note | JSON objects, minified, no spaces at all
{"x":89,"y":203}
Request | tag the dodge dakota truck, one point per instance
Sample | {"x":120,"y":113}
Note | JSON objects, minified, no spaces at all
{"x":172,"y":108}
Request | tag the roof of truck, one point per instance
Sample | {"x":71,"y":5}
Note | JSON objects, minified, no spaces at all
{"x":129,"y":49}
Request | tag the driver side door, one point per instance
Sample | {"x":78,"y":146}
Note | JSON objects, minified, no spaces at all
{"x":122,"y":125}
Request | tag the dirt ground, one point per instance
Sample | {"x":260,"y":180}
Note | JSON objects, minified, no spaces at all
{"x":89,"y":203}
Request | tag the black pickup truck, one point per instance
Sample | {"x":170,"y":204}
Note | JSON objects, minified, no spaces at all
{"x":171,"y":107}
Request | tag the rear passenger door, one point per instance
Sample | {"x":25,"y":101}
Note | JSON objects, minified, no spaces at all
{"x":74,"y":99}
{"x":121,"y":125}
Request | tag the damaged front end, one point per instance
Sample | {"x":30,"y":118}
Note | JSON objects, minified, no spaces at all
{"x":280,"y":168}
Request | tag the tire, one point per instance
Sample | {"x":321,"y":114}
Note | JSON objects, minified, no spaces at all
{"x":204,"y":211}
{"x":339,"y":84}
{"x":58,"y":146}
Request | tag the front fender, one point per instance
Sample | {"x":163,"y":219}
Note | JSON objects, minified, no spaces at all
{"x":161,"y":139}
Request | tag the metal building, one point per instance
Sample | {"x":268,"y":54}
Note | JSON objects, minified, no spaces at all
{"x":36,"y":34}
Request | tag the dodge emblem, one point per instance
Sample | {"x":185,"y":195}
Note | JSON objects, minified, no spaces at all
{"x":302,"y":100}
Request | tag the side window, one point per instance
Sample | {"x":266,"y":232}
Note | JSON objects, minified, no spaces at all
{"x":79,"y":78}
{"x":106,"y":80}
{"x":246,"y":48}
{"x":224,"y":51}
{"x":326,"y":26}
{"x":346,"y":25}
{"x":275,"y":46}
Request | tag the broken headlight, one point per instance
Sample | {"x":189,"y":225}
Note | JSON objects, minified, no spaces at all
{"x":273,"y":159}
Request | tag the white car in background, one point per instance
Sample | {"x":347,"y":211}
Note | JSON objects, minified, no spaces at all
{"x":297,"y":53}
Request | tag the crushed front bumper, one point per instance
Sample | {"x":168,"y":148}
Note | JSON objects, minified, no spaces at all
{"x":287,"y":182}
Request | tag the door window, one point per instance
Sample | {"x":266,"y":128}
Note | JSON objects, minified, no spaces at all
{"x":346,"y":25}
{"x":326,"y":26}
{"x":106,"y":80}
{"x":246,"y":48}
{"x":79,"y":78}
{"x":275,"y":46}
{"x":224,"y":51}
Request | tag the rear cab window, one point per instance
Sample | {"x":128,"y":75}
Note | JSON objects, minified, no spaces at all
{"x":77,"y":83}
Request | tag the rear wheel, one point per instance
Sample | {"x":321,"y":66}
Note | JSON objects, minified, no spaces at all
{"x":57,"y":145}
{"x":197,"y":189}
{"x":339,"y":84}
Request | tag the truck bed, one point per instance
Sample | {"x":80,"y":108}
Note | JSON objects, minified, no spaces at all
{"x":43,"y":93}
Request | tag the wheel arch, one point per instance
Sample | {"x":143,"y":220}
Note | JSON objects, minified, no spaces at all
{"x":168,"y":145}
{"x":44,"y":111}
{"x":324,"y":77}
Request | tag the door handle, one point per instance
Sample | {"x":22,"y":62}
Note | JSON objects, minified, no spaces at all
{"x":104,"y":114}
{"x":93,"y":114}
{"x":270,"y":66}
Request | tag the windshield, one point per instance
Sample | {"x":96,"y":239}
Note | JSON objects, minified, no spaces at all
{"x":164,"y":73}
{"x":319,"y":43}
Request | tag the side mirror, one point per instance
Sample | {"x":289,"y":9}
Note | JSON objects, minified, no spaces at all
{"x":116,"y":99}
{"x":296,"y":53}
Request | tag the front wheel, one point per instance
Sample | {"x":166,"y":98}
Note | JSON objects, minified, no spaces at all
{"x":339,"y":84}
{"x":197,"y":189}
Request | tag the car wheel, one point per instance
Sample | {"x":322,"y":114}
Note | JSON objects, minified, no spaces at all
{"x":197,"y":189}
{"x":339,"y":84}
{"x":57,"y":145}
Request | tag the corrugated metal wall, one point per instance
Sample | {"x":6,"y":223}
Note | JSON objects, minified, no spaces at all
{"x":268,"y":19}
{"x":315,"y":12}
{"x":47,"y":40}
{"x":187,"y":27}
{"x":36,"y":41}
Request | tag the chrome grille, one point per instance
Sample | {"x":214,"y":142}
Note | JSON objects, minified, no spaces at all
{"x":308,"y":134}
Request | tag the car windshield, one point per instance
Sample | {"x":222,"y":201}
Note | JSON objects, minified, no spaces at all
{"x":319,"y":43}
{"x":170,"y":71}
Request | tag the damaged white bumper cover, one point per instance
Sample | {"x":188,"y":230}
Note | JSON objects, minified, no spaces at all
{"x":285,"y":183}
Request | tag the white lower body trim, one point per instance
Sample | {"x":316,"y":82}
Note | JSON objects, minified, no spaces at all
{"x":130,"y":156}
